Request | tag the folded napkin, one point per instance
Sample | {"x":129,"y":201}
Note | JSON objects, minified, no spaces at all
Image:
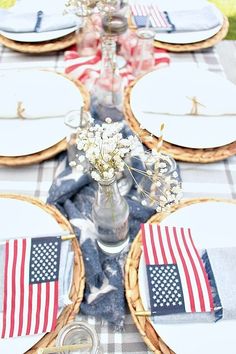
{"x":37,"y":94}
{"x":179,"y":288}
{"x":36,"y":22}
{"x":212,"y":97}
{"x":201,"y":19}
{"x":38,"y":273}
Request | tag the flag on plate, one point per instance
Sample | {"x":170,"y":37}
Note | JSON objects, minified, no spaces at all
{"x":30,"y":286}
{"x":143,"y":13}
{"x":177,"y":278}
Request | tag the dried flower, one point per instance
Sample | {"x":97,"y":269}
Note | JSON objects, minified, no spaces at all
{"x":105,"y":148}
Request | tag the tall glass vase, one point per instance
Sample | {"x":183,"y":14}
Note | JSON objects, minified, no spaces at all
{"x":110,"y":214}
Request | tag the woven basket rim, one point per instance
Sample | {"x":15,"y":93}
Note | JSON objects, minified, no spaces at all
{"x":143,"y":324}
{"x":178,"y":152}
{"x":40,"y":47}
{"x":76,"y":293}
{"x":54,"y":149}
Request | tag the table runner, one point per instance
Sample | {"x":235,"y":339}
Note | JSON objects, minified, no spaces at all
{"x":209,"y":180}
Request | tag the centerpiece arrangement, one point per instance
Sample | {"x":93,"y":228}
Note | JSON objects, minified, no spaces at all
{"x":106,"y":152}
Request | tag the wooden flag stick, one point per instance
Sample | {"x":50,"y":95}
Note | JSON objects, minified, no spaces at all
{"x":64,"y":348}
{"x":64,"y":236}
{"x":143,"y":313}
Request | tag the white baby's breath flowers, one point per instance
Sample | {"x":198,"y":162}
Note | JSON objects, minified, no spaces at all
{"x":105,"y":148}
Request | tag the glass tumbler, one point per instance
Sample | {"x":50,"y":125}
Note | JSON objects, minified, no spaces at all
{"x":143,"y":57}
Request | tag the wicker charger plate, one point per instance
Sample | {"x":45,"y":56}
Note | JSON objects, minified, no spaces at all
{"x":178,"y":152}
{"x":77,"y":289}
{"x":148,"y":333}
{"x":52,"y":150}
{"x":40,"y":47}
{"x":209,"y":42}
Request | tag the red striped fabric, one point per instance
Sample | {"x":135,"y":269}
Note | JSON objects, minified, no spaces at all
{"x":87,"y":69}
{"x":157,"y":17}
{"x":28,"y":308}
{"x":165,"y":245}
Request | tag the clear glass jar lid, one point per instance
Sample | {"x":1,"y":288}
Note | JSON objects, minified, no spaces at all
{"x":79,"y":333}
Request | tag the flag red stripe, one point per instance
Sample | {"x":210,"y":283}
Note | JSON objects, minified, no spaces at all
{"x":46,"y":307}
{"x":39,"y":289}
{"x":55,"y":309}
{"x":169,"y":245}
{"x":188,"y":280}
{"x":203,"y":271}
{"x":22,"y":275}
{"x":199,"y":287}
{"x":153,"y":244}
{"x":29,"y":317}
{"x":161,"y":245}
{"x":5,"y":290}
{"x":147,"y":260}
{"x":13,"y":285}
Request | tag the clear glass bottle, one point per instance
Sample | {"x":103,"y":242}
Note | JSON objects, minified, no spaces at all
{"x":143,"y":57}
{"x":110,"y":214}
{"x":108,"y":91}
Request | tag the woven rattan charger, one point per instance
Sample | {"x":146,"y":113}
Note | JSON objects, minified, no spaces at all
{"x":77,"y":288}
{"x":40,"y":47}
{"x":52,"y":150}
{"x":178,"y":152}
{"x":148,"y":333}
{"x":188,"y":47}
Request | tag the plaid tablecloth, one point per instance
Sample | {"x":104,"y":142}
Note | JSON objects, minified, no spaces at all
{"x":199,"y":180}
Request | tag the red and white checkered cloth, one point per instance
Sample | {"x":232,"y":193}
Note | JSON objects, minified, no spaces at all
{"x":87,"y":69}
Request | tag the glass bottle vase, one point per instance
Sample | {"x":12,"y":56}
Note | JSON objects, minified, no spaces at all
{"x":110,"y":214}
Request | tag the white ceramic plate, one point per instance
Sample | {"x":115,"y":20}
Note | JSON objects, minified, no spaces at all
{"x":213,"y":224}
{"x":184,"y":130}
{"x":37,"y":36}
{"x":42,"y":93}
{"x":20,"y":218}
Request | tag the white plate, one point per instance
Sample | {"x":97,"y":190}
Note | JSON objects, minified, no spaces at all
{"x":20,"y":218}
{"x":187,"y":131}
{"x":187,"y":37}
{"x":42,"y":92}
{"x":37,"y":36}
{"x":213,"y":224}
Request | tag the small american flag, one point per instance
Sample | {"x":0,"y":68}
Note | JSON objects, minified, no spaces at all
{"x":143,"y":13}
{"x":176,"y":275}
{"x":30,"y":289}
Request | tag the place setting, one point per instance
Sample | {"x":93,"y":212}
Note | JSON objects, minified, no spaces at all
{"x":162,"y":244}
{"x":198,"y":114}
{"x":33,"y":112}
{"x":30,"y":28}
{"x":36,"y":305}
{"x":186,"y":26}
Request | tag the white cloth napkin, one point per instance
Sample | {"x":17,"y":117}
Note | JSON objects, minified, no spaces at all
{"x":213,"y":98}
{"x":201,"y":19}
{"x":23,"y":16}
{"x":37,"y":94}
{"x":27,"y":22}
